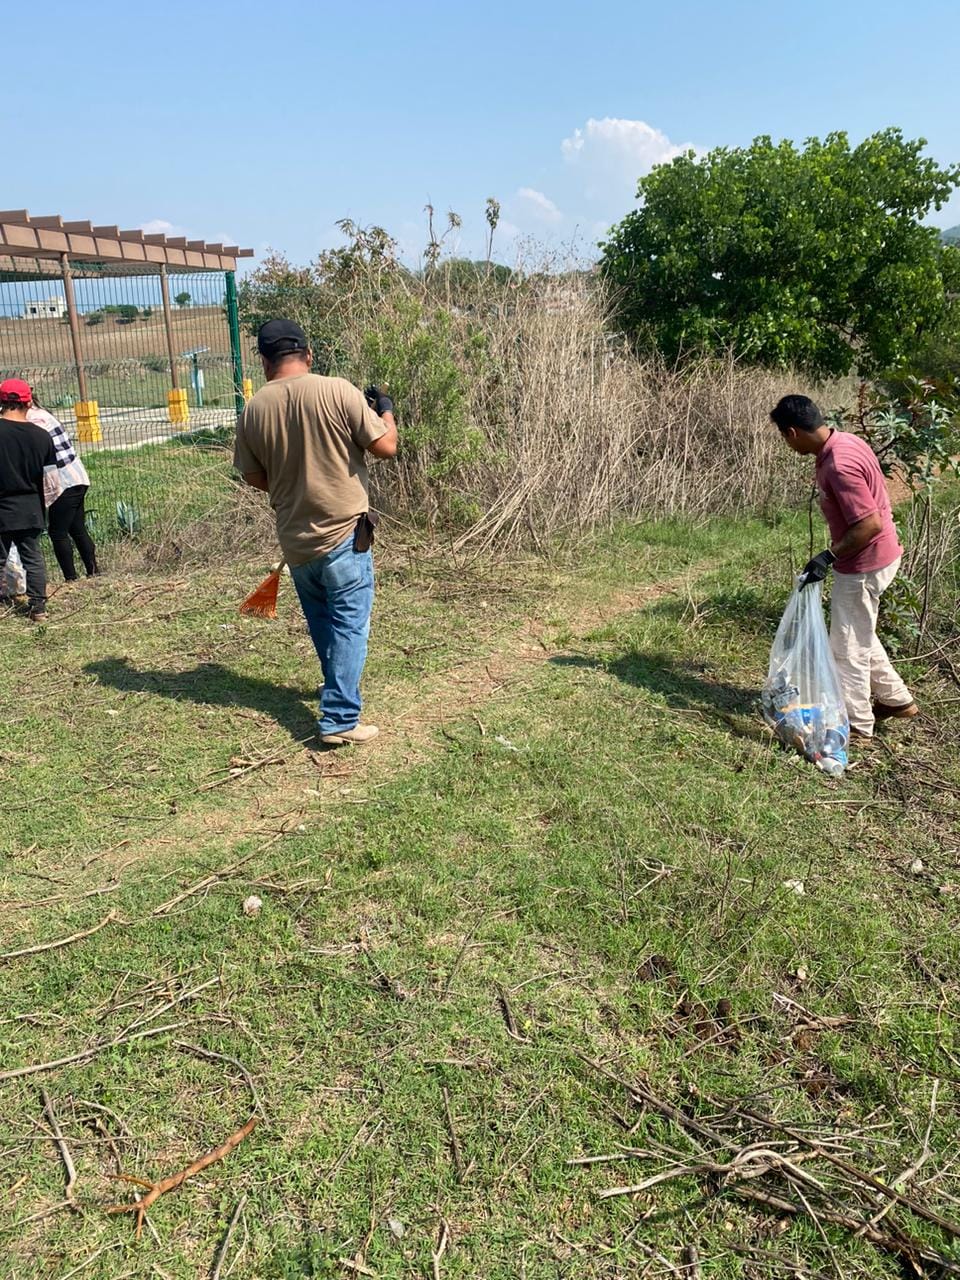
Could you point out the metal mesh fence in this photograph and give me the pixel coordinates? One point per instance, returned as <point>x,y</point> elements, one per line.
<point>145,470</point>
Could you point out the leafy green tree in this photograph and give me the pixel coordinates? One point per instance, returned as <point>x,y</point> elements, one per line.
<point>183,299</point>
<point>94,317</point>
<point>127,313</point>
<point>815,257</point>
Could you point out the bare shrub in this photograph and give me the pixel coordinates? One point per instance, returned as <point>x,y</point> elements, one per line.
<point>586,432</point>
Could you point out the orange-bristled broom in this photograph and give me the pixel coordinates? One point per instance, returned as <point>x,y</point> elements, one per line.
<point>262,602</point>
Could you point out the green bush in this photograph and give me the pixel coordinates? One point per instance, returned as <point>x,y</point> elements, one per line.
<point>411,352</point>
<point>817,257</point>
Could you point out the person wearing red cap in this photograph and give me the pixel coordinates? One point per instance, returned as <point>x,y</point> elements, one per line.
<point>29,483</point>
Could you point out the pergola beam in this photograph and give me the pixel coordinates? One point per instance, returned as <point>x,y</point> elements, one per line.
<point>50,237</point>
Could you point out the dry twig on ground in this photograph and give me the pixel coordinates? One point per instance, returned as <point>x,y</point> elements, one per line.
<point>60,942</point>
<point>233,1062</point>
<point>225,1243</point>
<point>156,1189</point>
<point>86,1054</point>
<point>64,1150</point>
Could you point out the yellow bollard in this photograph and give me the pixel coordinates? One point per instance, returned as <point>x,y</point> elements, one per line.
<point>178,410</point>
<point>88,421</point>
<point>247,388</point>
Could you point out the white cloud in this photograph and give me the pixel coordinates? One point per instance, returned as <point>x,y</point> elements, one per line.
<point>611,154</point>
<point>542,205</point>
<point>160,227</point>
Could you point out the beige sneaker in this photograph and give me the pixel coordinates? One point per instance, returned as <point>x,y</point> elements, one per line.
<point>360,734</point>
<point>906,711</point>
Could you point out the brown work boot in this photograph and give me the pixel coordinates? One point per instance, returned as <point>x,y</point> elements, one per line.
<point>904,712</point>
<point>356,736</point>
<point>38,615</point>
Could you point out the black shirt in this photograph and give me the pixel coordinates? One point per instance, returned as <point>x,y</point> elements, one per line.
<point>25,449</point>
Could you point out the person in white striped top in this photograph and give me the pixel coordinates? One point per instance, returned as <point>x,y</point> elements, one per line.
<point>66,520</point>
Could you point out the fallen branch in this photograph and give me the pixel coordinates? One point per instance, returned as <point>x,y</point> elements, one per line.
<point>827,1021</point>
<point>171,1004</point>
<point>702,1135</point>
<point>213,878</point>
<point>225,1243</point>
<point>235,772</point>
<point>62,897</point>
<point>691,1262</point>
<point>443,1240</point>
<point>513,1031</point>
<point>233,1062</point>
<point>86,1054</point>
<point>61,942</point>
<point>859,1175</point>
<point>740,1167</point>
<point>902,1247</point>
<point>157,1189</point>
<point>64,1150</point>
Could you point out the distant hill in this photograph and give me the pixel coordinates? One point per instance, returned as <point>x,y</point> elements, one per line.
<point>951,235</point>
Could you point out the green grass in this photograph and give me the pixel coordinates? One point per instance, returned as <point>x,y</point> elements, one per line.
<point>167,481</point>
<point>573,803</point>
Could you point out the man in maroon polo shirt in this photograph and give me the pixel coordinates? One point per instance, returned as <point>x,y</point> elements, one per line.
<point>865,555</point>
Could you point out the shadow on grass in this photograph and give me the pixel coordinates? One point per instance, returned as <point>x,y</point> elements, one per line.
<point>685,686</point>
<point>212,685</point>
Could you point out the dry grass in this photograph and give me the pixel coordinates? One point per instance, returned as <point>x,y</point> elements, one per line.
<point>578,431</point>
<point>30,343</point>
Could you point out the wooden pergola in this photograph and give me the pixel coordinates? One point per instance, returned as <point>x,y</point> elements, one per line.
<point>40,248</point>
<point>50,238</point>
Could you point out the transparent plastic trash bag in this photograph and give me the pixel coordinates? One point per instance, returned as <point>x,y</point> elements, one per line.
<point>801,698</point>
<point>13,580</point>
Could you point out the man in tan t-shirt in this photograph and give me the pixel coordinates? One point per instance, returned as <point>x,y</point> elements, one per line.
<point>302,439</point>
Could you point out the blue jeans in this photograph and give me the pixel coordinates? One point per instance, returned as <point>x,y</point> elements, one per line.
<point>336,594</point>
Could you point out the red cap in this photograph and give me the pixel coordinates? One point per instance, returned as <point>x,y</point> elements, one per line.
<point>15,391</point>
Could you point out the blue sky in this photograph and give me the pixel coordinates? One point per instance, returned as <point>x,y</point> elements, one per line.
<point>264,125</point>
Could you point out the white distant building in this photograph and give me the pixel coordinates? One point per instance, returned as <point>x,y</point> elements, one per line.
<point>48,309</point>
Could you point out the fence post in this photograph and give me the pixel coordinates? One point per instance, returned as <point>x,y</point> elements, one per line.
<point>233,319</point>
<point>87,411</point>
<point>178,411</point>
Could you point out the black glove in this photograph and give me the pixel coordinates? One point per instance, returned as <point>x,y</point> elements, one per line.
<point>377,401</point>
<point>816,570</point>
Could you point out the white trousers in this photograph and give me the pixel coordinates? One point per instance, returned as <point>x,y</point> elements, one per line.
<point>866,672</point>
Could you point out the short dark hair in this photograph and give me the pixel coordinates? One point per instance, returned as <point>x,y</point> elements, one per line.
<point>300,353</point>
<point>799,412</point>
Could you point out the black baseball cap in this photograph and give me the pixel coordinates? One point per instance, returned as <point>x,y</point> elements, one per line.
<point>279,337</point>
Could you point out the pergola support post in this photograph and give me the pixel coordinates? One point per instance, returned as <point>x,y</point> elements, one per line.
<point>87,410</point>
<point>240,383</point>
<point>178,409</point>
